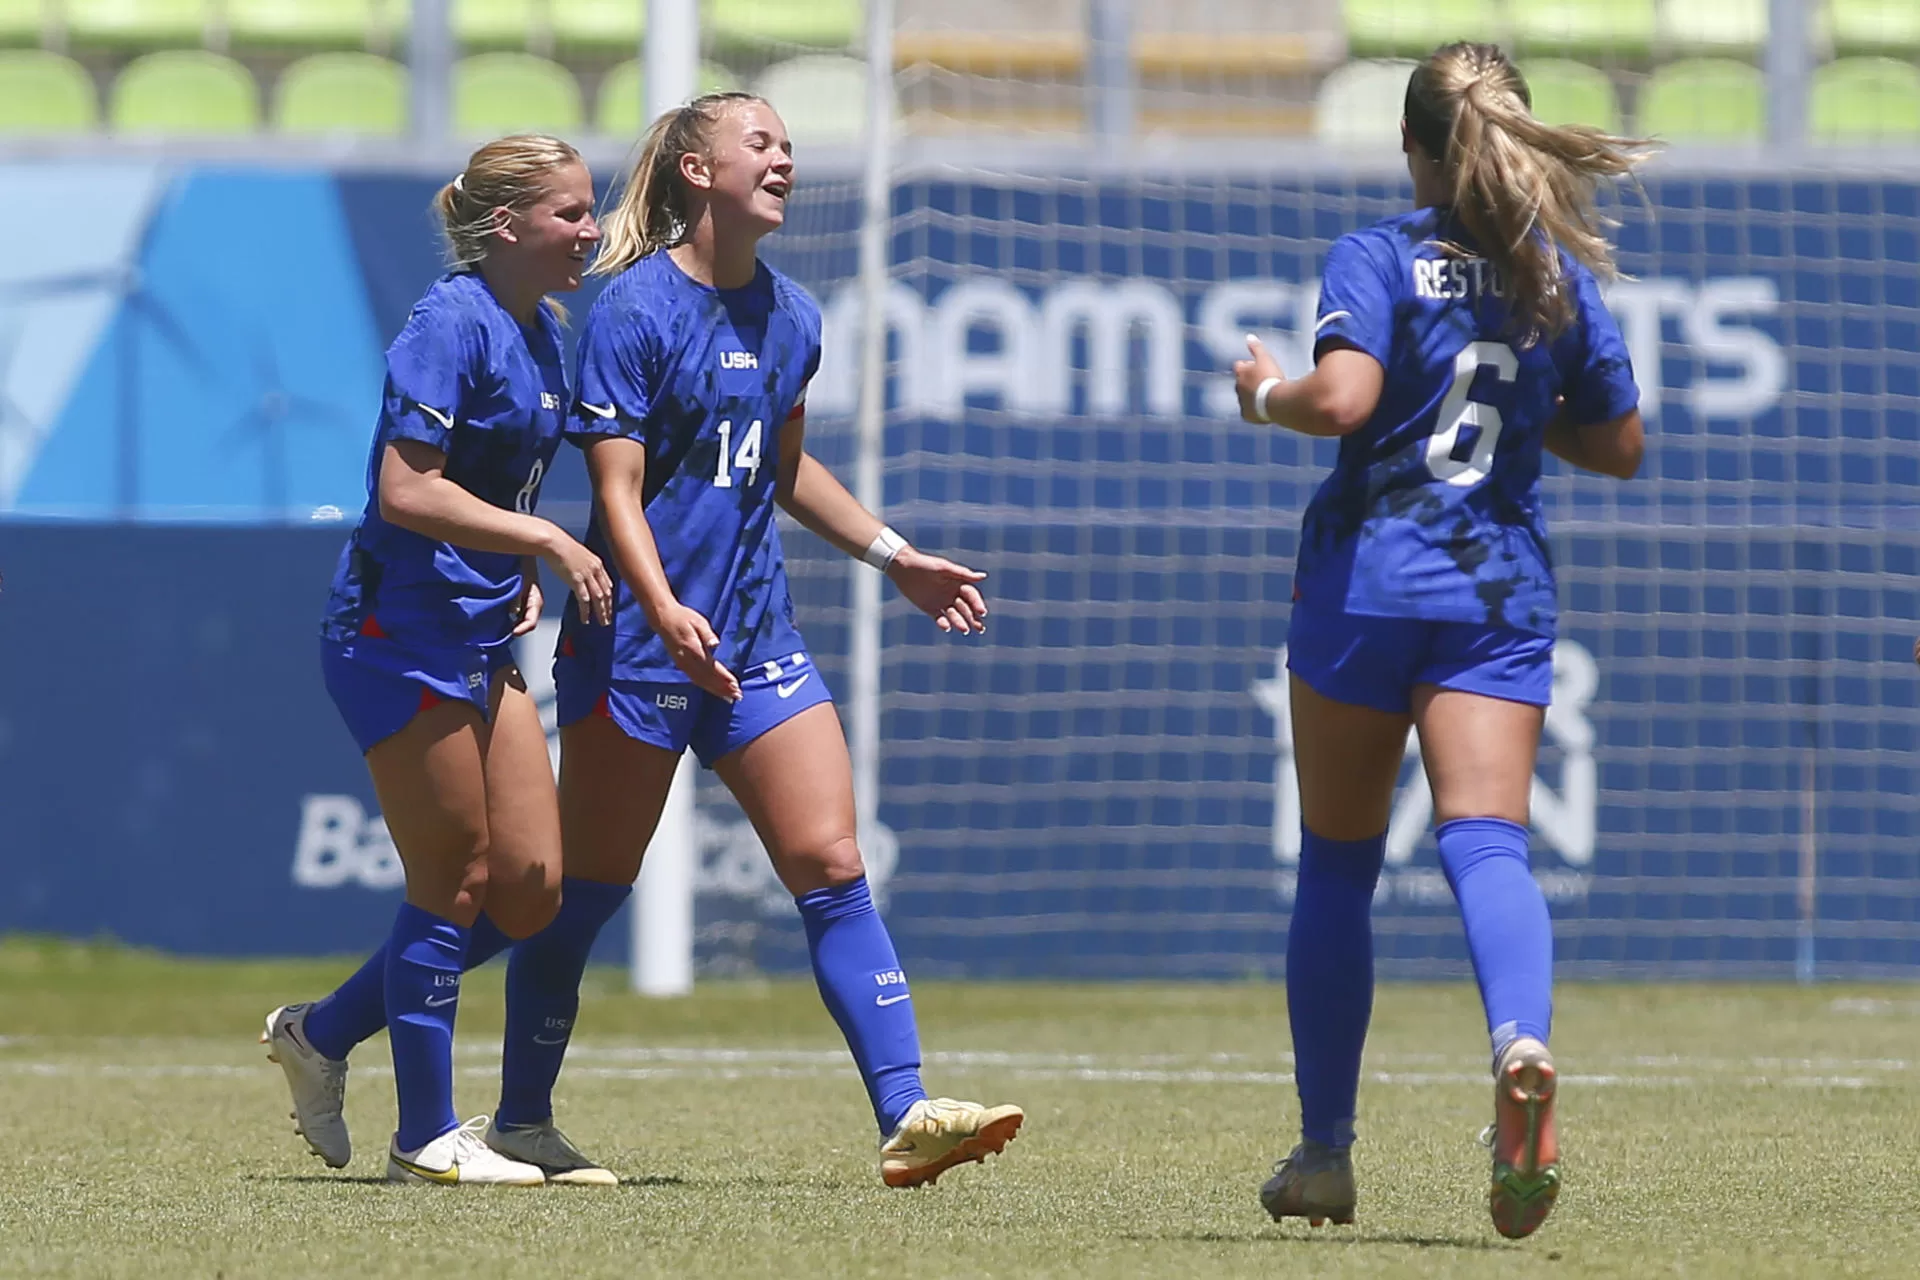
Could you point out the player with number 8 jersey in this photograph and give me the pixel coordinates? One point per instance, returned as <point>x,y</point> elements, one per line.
<point>1454,345</point>
<point>437,580</point>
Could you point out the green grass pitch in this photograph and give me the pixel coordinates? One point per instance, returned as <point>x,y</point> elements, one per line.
<point>1711,1131</point>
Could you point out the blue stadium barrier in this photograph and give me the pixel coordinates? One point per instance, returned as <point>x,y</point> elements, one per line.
<point>1727,787</point>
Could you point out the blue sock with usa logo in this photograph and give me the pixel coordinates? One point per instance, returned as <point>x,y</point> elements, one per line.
<point>543,998</point>
<point>357,1009</point>
<point>424,959</point>
<point>865,990</point>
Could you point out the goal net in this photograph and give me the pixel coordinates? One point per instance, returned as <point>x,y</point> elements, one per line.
<point>1102,785</point>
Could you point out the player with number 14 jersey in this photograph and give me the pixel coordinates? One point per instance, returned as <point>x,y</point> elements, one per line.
<point>705,378</point>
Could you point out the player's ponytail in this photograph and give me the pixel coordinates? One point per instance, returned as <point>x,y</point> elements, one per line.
<point>1522,189</point>
<point>650,212</point>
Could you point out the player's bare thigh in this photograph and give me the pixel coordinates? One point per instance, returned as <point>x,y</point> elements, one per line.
<point>523,813</point>
<point>431,781</point>
<point>612,789</point>
<point>1478,751</point>
<point>1348,759</point>
<point>795,783</point>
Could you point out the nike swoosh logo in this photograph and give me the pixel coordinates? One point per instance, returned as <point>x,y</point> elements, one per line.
<point>594,409</point>
<point>288,1030</point>
<point>788,690</point>
<point>446,1177</point>
<point>1330,317</point>
<point>442,1002</point>
<point>444,419</point>
<point>544,1040</point>
<point>884,1001</point>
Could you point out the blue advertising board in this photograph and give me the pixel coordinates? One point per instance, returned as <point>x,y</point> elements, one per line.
<point>1101,787</point>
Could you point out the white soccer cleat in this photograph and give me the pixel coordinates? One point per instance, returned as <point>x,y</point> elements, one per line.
<point>550,1151</point>
<point>460,1156</point>
<point>318,1084</point>
<point>939,1133</point>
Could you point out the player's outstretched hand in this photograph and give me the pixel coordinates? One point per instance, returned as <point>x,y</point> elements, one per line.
<point>586,577</point>
<point>941,589</point>
<point>691,643</point>
<point>1249,374</point>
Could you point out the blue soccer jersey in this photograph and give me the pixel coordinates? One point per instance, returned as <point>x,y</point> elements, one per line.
<point>1432,510</point>
<point>466,378</point>
<point>705,379</point>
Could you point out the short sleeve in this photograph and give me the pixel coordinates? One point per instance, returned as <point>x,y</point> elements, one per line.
<point>810,330</point>
<point>429,365</point>
<point>1357,294</point>
<point>1599,385</point>
<point>616,386</point>
<point>803,314</point>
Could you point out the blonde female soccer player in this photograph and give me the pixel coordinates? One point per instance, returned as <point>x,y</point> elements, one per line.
<point>438,578</point>
<point>1454,344</point>
<point>692,383</point>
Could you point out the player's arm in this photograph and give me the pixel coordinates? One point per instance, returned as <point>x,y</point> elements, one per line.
<point>618,468</point>
<point>1335,399</point>
<point>1353,341</point>
<point>811,494</point>
<point>1611,448</point>
<point>1597,426</point>
<point>415,494</point>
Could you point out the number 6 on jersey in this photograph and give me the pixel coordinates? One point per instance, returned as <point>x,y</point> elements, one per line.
<point>748,457</point>
<point>1457,411</point>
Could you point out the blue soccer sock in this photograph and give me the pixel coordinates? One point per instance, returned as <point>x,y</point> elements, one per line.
<point>1509,933</point>
<point>424,955</point>
<point>865,990</point>
<point>1330,979</point>
<point>357,1009</point>
<point>543,997</point>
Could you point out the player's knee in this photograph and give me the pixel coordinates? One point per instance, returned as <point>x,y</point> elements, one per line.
<point>840,862</point>
<point>523,907</point>
<point>824,866</point>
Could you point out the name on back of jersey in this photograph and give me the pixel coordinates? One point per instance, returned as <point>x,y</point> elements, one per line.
<point>1447,278</point>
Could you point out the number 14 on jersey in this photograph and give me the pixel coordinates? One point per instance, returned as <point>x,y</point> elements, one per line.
<point>747,459</point>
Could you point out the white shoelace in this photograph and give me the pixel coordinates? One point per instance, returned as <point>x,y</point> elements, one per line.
<point>470,1140</point>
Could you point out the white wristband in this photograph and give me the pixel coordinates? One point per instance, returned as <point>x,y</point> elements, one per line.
<point>885,546</point>
<point>1260,399</point>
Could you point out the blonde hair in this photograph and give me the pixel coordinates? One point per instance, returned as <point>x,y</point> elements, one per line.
<point>651,210</point>
<point>507,175</point>
<point>1523,190</point>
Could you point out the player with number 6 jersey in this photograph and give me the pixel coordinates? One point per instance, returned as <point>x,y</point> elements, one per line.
<point>1454,345</point>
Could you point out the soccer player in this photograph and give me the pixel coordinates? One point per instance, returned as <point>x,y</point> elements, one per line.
<point>439,576</point>
<point>692,378</point>
<point>1453,344</point>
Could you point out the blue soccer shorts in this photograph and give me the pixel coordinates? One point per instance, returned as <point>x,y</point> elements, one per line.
<point>675,715</point>
<point>1376,662</point>
<point>380,687</point>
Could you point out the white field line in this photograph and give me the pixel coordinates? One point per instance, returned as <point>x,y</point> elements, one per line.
<point>1874,1006</point>
<point>636,1063</point>
<point>1203,1067</point>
